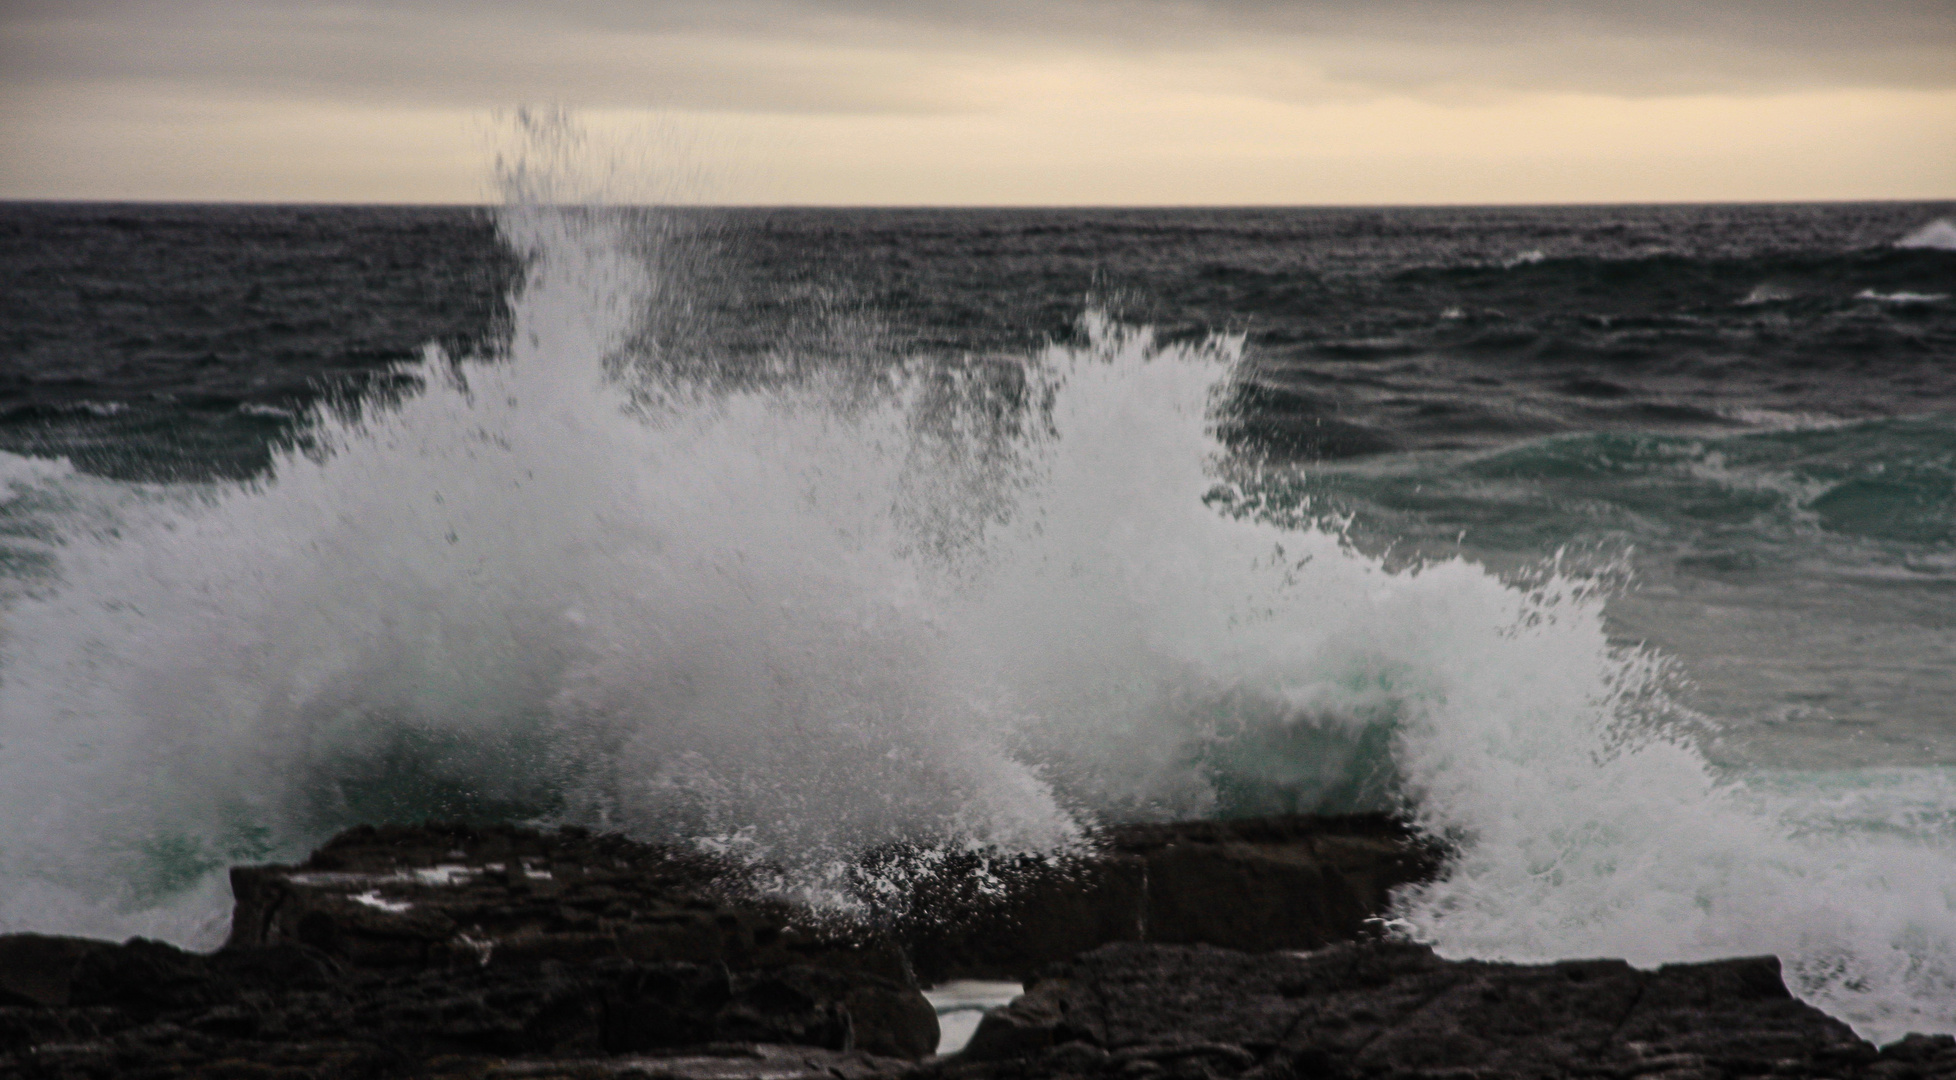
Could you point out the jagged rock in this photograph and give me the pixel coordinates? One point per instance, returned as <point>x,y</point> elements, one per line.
<point>1298,882</point>
<point>1917,1057</point>
<point>1032,1022</point>
<point>37,969</point>
<point>740,1062</point>
<point>1389,1010</point>
<point>405,897</point>
<point>147,1006</point>
<point>400,896</point>
<point>451,951</point>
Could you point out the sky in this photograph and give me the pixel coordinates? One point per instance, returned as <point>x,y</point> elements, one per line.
<point>1007,102</point>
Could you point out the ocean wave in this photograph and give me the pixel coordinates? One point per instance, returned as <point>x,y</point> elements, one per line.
<point>1783,420</point>
<point>1901,297</point>
<point>1938,235</point>
<point>1766,294</point>
<point>274,412</point>
<point>1792,277</point>
<point>1892,802</point>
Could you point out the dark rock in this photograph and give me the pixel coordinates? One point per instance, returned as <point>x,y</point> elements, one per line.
<point>683,1005</point>
<point>1390,1010</point>
<point>37,969</point>
<point>405,897</point>
<point>1298,882</point>
<point>289,1007</point>
<point>726,1062</point>
<point>145,978</point>
<point>1917,1057</point>
<point>452,951</point>
<point>1032,1022</point>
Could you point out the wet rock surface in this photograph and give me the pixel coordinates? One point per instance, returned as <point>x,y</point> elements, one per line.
<point>397,896</point>
<point>1299,882</point>
<point>505,952</point>
<point>148,1009</point>
<point>1387,1010</point>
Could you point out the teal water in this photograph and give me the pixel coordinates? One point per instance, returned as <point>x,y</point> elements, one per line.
<point>1805,577</point>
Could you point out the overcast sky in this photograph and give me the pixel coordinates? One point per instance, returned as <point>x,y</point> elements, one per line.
<point>1006,102</point>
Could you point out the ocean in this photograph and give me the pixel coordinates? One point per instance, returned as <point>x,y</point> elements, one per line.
<point>1614,546</point>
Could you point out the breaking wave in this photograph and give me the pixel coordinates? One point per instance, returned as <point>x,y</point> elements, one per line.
<point>1939,235</point>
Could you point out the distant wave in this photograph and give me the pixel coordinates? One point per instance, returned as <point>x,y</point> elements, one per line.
<point>1782,420</point>
<point>1766,294</point>
<point>1903,297</point>
<point>1939,235</point>
<point>98,408</point>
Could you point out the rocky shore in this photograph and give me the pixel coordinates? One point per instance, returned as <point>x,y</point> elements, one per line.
<point>1199,951</point>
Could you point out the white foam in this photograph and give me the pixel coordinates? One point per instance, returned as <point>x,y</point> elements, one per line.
<point>19,473</point>
<point>962,1004</point>
<point>444,875</point>
<point>1854,803</point>
<point>1643,852</point>
<point>1903,298</point>
<point>1766,294</point>
<point>1783,420</point>
<point>372,898</point>
<point>1939,235</point>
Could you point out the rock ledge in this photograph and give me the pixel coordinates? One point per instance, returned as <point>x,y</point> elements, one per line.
<point>451,951</point>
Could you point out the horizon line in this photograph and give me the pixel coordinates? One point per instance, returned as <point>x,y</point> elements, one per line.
<point>385,205</point>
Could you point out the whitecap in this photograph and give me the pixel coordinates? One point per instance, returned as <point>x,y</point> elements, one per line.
<point>1766,294</point>
<point>1784,420</point>
<point>1901,299</point>
<point>1938,235</point>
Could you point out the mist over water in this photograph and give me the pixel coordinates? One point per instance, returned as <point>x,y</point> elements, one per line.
<point>978,603</point>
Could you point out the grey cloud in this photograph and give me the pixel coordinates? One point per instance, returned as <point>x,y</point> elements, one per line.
<point>426,54</point>
<point>1838,37</point>
<point>887,55</point>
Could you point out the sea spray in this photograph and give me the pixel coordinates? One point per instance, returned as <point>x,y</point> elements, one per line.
<point>507,595</point>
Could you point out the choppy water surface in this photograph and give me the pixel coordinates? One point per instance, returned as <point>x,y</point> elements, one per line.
<point>1616,545</point>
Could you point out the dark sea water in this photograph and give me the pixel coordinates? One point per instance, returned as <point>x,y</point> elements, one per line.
<point>1616,544</point>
